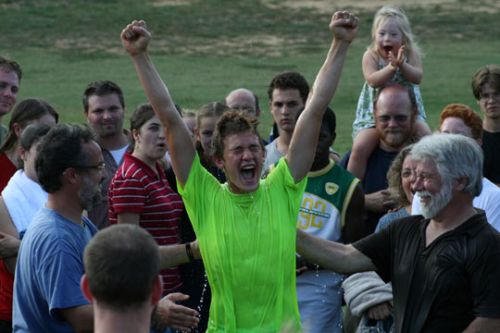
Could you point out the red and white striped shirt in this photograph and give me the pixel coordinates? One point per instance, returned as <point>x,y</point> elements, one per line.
<point>136,188</point>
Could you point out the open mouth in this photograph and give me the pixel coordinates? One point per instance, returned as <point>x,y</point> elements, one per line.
<point>248,173</point>
<point>424,197</point>
<point>387,48</point>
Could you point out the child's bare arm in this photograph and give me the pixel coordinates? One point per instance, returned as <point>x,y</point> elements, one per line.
<point>363,146</point>
<point>411,69</point>
<point>375,77</point>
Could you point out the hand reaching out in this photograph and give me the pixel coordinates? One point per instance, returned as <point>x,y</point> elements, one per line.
<point>169,313</point>
<point>135,37</point>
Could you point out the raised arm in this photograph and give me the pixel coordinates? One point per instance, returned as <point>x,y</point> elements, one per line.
<point>305,137</point>
<point>135,38</point>
<point>333,256</point>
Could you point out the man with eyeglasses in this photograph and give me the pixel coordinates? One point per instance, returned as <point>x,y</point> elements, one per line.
<point>49,267</point>
<point>486,90</point>
<point>244,100</point>
<point>395,112</point>
<point>47,294</point>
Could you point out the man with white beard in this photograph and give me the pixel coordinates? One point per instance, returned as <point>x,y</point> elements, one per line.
<point>461,119</point>
<point>443,266</point>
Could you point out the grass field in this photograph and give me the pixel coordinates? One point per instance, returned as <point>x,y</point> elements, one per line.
<point>205,48</point>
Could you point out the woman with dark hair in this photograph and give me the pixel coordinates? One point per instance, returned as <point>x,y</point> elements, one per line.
<point>29,111</point>
<point>139,192</point>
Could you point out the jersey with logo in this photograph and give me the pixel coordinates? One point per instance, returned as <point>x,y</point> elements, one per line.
<point>325,201</point>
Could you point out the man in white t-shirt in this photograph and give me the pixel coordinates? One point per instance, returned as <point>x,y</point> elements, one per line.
<point>461,119</point>
<point>104,108</point>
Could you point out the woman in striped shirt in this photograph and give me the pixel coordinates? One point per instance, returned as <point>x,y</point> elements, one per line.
<point>140,193</point>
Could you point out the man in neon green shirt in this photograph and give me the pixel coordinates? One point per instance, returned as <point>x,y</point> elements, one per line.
<point>246,227</point>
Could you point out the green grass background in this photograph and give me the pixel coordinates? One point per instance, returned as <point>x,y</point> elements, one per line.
<point>205,48</point>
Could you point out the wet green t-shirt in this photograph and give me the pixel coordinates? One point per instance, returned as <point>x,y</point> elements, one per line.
<point>247,242</point>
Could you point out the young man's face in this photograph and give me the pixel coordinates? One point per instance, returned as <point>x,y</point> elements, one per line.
<point>9,87</point>
<point>105,115</point>
<point>489,102</point>
<point>285,106</point>
<point>242,161</point>
<point>325,141</point>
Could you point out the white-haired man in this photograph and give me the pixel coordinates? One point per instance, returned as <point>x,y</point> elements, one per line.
<point>443,266</point>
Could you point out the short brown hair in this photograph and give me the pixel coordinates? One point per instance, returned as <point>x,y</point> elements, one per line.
<point>233,122</point>
<point>121,263</point>
<point>470,118</point>
<point>11,66</point>
<point>289,80</point>
<point>213,109</point>
<point>102,88</point>
<point>489,74</point>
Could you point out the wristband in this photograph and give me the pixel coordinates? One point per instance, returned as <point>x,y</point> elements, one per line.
<point>189,252</point>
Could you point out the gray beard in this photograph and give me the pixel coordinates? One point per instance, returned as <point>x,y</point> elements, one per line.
<point>90,196</point>
<point>438,201</point>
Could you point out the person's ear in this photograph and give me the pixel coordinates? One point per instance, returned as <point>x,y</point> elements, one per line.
<point>17,129</point>
<point>135,134</point>
<point>334,136</point>
<point>197,135</point>
<point>22,153</point>
<point>461,183</point>
<point>84,286</point>
<point>71,175</point>
<point>156,291</point>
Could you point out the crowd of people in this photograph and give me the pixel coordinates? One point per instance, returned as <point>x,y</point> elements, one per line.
<point>190,221</point>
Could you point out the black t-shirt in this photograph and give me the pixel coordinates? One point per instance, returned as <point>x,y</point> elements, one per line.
<point>375,179</point>
<point>491,149</point>
<point>444,286</point>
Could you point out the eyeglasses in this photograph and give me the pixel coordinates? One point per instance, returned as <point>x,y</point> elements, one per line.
<point>486,97</point>
<point>99,166</point>
<point>400,118</point>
